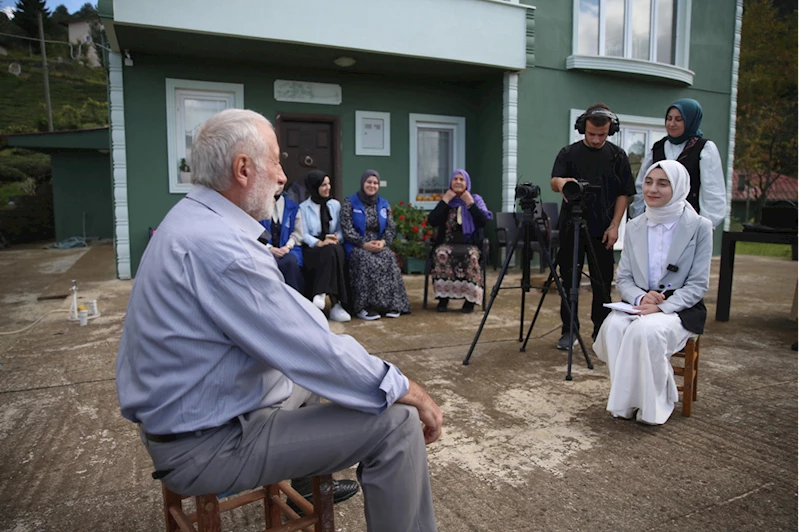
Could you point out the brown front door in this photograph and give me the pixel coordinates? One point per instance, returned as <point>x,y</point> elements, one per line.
<point>309,142</point>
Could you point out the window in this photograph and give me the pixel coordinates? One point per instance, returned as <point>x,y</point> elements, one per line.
<point>189,104</point>
<point>636,136</point>
<point>635,29</point>
<point>437,148</point>
<point>638,36</point>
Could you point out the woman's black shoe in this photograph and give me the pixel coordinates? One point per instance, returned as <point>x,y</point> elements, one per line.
<point>468,307</point>
<point>442,304</point>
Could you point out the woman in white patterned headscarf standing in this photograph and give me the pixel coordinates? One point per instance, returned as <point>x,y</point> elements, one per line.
<point>663,273</point>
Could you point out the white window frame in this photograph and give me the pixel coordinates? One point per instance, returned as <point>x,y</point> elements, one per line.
<point>655,129</point>
<point>360,116</point>
<point>457,124</point>
<point>176,87</point>
<point>679,71</point>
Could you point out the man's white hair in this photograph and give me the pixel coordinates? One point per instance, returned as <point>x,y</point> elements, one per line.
<point>220,139</point>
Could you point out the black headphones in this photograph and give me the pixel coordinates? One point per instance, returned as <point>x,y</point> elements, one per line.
<point>597,112</point>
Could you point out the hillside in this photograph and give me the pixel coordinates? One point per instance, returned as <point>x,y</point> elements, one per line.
<point>22,97</point>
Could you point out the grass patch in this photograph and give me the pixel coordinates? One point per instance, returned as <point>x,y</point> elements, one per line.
<point>764,250</point>
<point>10,189</point>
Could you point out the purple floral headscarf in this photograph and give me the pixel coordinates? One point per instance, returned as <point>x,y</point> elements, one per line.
<point>467,221</point>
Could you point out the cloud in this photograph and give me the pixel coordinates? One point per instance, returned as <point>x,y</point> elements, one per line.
<point>9,11</point>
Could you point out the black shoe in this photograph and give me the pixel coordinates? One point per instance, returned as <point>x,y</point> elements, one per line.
<point>468,307</point>
<point>442,304</point>
<point>342,490</point>
<point>563,343</point>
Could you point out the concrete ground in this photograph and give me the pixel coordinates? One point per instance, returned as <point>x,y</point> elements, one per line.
<point>523,449</point>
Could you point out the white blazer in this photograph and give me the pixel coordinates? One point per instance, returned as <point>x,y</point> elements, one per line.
<point>689,254</point>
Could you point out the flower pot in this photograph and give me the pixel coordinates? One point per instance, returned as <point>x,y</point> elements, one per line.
<point>412,265</point>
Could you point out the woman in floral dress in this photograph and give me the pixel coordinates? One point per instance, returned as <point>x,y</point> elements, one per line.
<point>375,277</point>
<point>456,257</point>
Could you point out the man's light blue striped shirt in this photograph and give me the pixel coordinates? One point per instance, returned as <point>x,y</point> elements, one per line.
<point>212,331</point>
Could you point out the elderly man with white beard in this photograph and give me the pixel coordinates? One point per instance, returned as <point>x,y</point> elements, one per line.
<point>213,375</point>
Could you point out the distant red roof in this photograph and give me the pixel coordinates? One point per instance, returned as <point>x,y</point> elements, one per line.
<point>785,188</point>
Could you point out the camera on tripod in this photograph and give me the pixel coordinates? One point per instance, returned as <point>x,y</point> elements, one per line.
<point>575,191</point>
<point>527,194</point>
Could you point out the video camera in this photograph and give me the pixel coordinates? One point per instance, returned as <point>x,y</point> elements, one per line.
<point>575,191</point>
<point>527,191</point>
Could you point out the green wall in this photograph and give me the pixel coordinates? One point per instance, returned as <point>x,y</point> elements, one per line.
<point>82,184</point>
<point>146,141</point>
<point>549,91</point>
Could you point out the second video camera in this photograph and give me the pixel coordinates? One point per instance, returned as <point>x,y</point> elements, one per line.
<point>576,190</point>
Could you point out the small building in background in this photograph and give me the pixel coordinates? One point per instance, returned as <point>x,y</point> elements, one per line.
<point>80,32</point>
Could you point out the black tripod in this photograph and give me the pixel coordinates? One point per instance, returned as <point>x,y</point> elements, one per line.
<point>526,228</point>
<point>580,232</point>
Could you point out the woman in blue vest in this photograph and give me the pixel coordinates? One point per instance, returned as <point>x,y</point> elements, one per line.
<point>323,253</point>
<point>285,236</point>
<point>685,143</point>
<point>369,229</point>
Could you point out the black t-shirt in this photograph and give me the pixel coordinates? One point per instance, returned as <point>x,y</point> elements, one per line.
<point>607,166</point>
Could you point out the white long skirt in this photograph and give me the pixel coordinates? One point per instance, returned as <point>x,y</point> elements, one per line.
<point>637,350</point>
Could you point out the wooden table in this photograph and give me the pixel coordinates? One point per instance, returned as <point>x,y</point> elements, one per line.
<point>728,241</point>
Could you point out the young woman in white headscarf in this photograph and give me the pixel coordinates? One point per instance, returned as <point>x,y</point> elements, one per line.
<point>664,273</point>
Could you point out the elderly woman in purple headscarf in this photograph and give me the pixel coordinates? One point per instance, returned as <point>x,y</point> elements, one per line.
<point>456,257</point>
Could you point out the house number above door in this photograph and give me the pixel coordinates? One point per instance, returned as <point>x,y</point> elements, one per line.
<point>308,92</point>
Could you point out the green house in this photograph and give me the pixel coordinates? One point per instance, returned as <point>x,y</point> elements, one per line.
<point>412,89</point>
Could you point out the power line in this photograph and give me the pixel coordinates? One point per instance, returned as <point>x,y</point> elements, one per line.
<point>71,53</point>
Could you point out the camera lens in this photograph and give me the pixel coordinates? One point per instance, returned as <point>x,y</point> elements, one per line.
<point>572,190</point>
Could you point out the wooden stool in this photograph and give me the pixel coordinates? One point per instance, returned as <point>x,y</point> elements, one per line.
<point>318,517</point>
<point>688,371</point>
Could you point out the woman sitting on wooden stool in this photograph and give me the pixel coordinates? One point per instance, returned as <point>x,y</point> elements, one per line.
<point>322,251</point>
<point>663,273</point>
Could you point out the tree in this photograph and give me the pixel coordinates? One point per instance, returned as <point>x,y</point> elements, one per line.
<point>26,16</point>
<point>766,136</point>
<point>87,10</point>
<point>97,33</point>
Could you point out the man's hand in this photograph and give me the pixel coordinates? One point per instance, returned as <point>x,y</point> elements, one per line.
<point>653,298</point>
<point>647,308</point>
<point>429,412</point>
<point>449,195</point>
<point>611,235</point>
<point>279,252</point>
<point>557,185</point>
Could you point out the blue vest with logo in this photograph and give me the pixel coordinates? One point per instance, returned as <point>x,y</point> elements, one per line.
<point>359,217</point>
<point>290,210</point>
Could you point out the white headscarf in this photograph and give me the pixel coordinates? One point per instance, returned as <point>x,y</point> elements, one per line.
<point>680,186</point>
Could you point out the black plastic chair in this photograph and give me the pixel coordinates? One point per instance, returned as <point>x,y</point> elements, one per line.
<point>428,264</point>
<point>551,210</point>
<point>506,233</point>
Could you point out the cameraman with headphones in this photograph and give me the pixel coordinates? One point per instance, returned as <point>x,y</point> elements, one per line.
<point>604,168</point>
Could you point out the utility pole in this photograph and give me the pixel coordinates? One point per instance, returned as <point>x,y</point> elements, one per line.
<point>46,76</point>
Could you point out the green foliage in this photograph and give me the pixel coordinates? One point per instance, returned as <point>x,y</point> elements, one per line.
<point>22,98</point>
<point>8,190</point>
<point>10,174</point>
<point>91,114</point>
<point>26,16</point>
<point>412,230</point>
<point>766,136</point>
<point>17,165</point>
